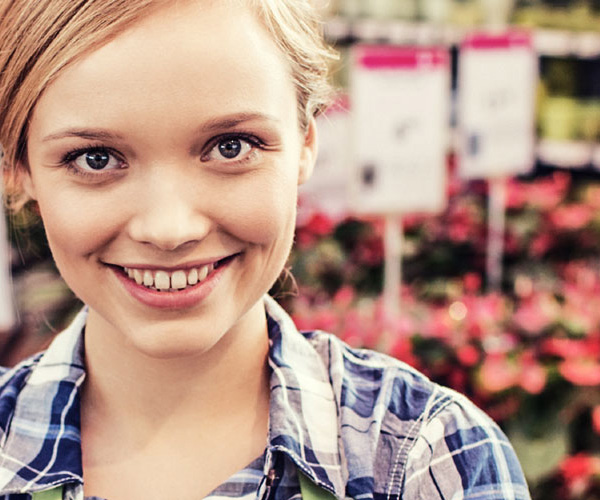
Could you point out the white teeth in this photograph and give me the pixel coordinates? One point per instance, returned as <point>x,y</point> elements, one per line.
<point>138,276</point>
<point>178,280</point>
<point>148,278</point>
<point>202,273</point>
<point>163,280</point>
<point>192,277</point>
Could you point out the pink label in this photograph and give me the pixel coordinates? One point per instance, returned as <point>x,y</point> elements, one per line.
<point>482,40</point>
<point>392,57</point>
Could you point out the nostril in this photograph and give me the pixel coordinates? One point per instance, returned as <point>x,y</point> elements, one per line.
<point>169,231</point>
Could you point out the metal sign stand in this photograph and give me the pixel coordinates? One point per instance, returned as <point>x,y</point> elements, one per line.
<point>496,228</point>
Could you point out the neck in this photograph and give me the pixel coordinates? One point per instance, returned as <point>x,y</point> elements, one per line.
<point>140,394</point>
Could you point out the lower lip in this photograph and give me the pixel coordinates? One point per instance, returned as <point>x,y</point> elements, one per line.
<point>175,299</point>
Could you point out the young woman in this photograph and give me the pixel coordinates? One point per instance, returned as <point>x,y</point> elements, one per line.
<point>163,142</point>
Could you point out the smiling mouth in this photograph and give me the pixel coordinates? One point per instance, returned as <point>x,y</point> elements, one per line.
<point>175,280</point>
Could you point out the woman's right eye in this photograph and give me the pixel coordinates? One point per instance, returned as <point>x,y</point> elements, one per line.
<point>93,160</point>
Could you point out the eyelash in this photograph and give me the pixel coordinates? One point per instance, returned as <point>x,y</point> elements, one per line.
<point>252,140</point>
<point>68,159</point>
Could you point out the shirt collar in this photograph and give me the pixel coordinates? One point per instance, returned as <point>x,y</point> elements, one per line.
<point>303,408</point>
<point>43,445</point>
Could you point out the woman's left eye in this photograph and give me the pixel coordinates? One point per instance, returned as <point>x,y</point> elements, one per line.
<point>231,148</point>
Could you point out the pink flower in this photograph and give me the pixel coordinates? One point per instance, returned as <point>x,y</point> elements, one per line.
<point>546,194</point>
<point>439,325</point>
<point>536,313</point>
<point>533,374</point>
<point>565,348</point>
<point>344,297</point>
<point>571,217</point>
<point>543,193</point>
<point>402,349</point>
<point>515,194</point>
<point>498,373</point>
<point>541,244</point>
<point>580,371</point>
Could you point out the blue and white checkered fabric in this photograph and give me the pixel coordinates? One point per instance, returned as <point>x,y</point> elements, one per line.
<point>358,423</point>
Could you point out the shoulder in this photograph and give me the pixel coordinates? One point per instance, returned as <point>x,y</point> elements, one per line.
<point>370,379</point>
<point>12,381</point>
<point>460,449</point>
<point>426,441</point>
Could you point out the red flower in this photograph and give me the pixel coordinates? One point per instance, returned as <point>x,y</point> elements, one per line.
<point>467,355</point>
<point>319,224</point>
<point>472,282</point>
<point>579,466</point>
<point>370,251</point>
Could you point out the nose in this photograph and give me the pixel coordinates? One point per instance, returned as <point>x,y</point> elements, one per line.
<point>168,213</point>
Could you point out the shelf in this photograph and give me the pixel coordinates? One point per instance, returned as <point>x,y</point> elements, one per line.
<point>547,42</point>
<point>568,154</point>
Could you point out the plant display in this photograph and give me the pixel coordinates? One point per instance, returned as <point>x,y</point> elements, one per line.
<point>529,355</point>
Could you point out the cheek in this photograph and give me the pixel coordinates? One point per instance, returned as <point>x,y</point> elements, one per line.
<point>74,225</point>
<point>265,214</point>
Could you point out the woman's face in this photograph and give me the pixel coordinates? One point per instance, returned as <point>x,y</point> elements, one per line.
<point>166,165</point>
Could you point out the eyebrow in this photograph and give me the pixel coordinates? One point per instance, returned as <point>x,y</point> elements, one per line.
<point>210,125</point>
<point>231,121</point>
<point>82,133</point>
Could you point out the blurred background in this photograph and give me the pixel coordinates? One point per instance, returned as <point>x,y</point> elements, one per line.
<point>488,281</point>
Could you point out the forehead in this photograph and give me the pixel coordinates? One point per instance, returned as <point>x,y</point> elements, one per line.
<point>186,55</point>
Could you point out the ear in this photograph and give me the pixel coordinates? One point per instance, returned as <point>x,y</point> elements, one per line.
<point>25,180</point>
<point>308,155</point>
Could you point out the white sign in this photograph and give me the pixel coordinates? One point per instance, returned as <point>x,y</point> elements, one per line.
<point>496,109</point>
<point>400,112</point>
<point>327,189</point>
<point>7,312</point>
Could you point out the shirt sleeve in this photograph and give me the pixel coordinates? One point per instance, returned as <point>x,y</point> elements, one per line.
<point>461,453</point>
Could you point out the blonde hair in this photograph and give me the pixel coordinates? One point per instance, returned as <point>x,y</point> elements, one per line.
<point>39,38</point>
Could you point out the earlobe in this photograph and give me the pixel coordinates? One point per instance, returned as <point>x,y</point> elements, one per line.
<point>309,152</point>
<point>26,182</point>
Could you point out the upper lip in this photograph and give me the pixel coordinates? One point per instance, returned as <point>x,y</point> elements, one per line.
<point>176,267</point>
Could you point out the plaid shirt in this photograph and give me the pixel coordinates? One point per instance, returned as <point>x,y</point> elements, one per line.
<point>358,423</point>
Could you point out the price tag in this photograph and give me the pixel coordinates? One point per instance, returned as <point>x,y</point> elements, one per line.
<point>326,190</point>
<point>400,111</point>
<point>496,107</point>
